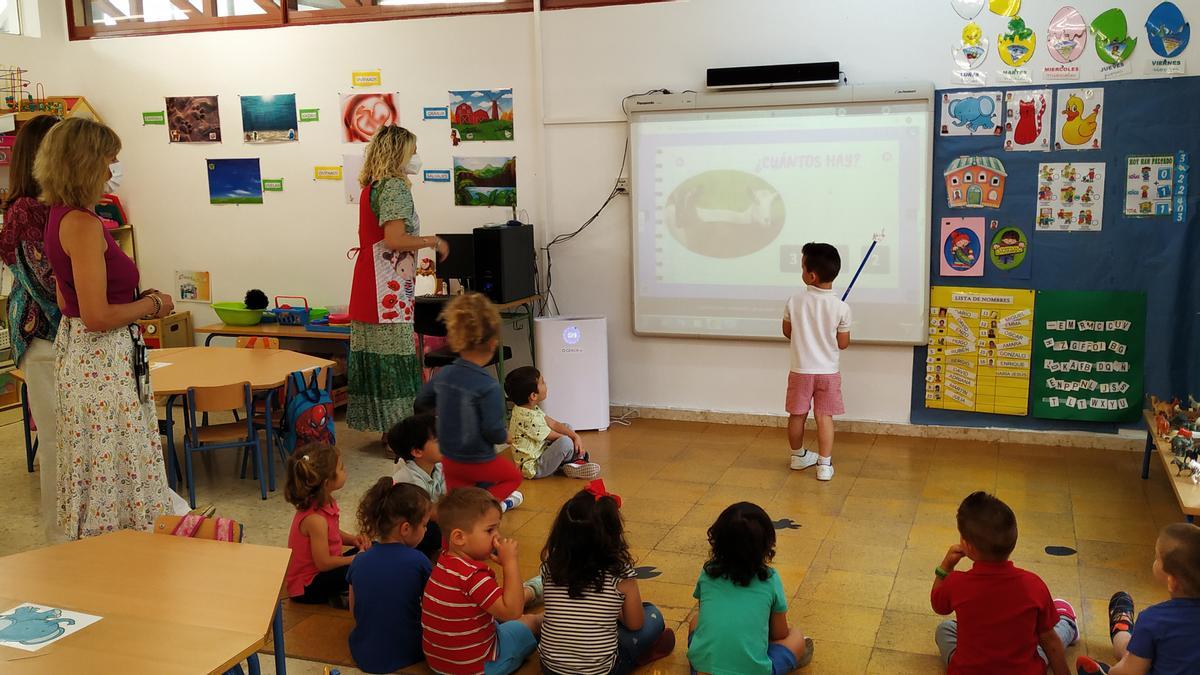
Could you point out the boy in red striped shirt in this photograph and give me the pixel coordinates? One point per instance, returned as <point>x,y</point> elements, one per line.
<point>463,605</point>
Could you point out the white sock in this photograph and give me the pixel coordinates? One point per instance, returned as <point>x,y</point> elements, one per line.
<point>800,453</point>
<point>825,461</point>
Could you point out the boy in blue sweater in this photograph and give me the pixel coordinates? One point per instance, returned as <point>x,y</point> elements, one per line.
<point>470,404</point>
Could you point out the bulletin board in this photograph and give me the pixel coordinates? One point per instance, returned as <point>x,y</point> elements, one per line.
<point>1152,255</point>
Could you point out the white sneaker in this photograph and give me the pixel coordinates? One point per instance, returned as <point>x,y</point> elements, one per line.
<point>513,501</point>
<point>803,460</point>
<point>824,472</point>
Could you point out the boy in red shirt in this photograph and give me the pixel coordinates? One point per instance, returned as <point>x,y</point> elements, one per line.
<point>1007,622</point>
<point>463,605</point>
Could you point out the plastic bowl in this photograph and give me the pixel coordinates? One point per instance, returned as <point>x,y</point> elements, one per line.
<point>236,314</point>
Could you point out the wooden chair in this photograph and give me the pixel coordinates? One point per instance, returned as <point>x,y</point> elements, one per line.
<point>206,437</point>
<point>207,530</point>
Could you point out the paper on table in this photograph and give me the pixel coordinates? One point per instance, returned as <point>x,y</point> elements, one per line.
<point>30,627</point>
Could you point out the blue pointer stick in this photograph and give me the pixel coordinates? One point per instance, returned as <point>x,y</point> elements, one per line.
<point>861,265</point>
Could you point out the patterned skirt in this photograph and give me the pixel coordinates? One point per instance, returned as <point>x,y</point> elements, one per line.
<point>384,375</point>
<point>111,474</point>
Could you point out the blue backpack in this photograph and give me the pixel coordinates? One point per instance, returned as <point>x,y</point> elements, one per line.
<point>308,415</point>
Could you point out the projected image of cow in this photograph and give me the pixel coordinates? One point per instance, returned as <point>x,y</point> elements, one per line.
<point>724,214</point>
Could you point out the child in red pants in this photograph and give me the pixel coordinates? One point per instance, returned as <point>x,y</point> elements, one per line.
<point>470,403</point>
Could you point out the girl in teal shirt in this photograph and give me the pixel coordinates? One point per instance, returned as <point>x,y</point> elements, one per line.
<point>741,627</point>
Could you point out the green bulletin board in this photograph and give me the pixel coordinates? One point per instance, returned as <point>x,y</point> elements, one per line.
<point>1088,351</point>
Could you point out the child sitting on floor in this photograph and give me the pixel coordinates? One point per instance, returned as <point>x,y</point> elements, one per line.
<point>595,620</point>
<point>387,580</point>
<point>470,405</point>
<point>542,445</point>
<point>1006,620</point>
<point>741,625</point>
<point>463,605</point>
<point>1163,641</point>
<point>419,462</point>
<point>316,572</point>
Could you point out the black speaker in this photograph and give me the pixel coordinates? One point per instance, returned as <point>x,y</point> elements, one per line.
<point>460,264</point>
<point>505,261</point>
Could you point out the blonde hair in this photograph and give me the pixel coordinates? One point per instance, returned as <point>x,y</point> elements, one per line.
<point>472,321</point>
<point>72,162</point>
<point>308,469</point>
<point>387,155</point>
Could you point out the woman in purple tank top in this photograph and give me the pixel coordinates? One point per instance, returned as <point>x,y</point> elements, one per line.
<point>110,462</point>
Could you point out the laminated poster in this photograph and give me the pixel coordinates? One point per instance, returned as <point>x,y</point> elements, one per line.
<point>352,166</point>
<point>1079,119</point>
<point>1027,118</point>
<point>1010,252</point>
<point>962,248</point>
<point>971,113</point>
<point>1070,197</point>
<point>1149,183</point>
<point>980,344</point>
<point>1088,352</point>
<point>234,181</point>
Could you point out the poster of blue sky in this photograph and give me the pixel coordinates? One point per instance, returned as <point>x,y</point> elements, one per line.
<point>269,119</point>
<point>481,115</point>
<point>234,181</point>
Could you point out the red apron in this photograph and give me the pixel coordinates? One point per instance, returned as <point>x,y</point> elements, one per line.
<point>382,291</point>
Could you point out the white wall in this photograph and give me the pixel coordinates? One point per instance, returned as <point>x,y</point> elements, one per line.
<point>591,59</point>
<point>626,50</point>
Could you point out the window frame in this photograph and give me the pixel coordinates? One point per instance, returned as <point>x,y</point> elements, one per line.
<point>286,14</point>
<point>16,5</point>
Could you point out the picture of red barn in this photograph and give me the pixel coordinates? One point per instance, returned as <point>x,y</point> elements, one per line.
<point>975,182</point>
<point>481,115</point>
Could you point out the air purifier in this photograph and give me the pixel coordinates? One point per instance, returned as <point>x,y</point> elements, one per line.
<point>572,355</point>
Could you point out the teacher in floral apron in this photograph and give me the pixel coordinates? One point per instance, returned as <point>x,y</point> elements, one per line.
<point>385,372</point>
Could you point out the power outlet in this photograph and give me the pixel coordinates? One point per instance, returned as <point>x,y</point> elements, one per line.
<point>623,185</point>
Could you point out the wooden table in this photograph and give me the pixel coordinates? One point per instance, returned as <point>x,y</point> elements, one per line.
<point>31,441</point>
<point>173,371</point>
<point>1186,492</point>
<point>169,604</point>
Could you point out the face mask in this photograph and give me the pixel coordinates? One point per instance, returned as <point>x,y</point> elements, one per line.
<point>114,181</point>
<point>414,165</point>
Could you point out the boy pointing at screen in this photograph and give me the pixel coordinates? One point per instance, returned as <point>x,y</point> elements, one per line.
<point>818,324</point>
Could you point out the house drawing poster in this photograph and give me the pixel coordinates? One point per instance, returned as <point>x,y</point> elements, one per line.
<point>962,249</point>
<point>1148,184</point>
<point>193,119</point>
<point>481,115</point>
<point>1070,197</point>
<point>29,627</point>
<point>1079,119</point>
<point>1027,117</point>
<point>268,119</point>
<point>972,113</point>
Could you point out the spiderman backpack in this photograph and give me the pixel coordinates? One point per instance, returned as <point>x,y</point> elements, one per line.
<point>308,415</point>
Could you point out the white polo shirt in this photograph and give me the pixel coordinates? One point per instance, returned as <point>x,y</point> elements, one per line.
<point>817,315</point>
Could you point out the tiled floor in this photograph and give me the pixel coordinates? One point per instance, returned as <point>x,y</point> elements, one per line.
<point>859,565</point>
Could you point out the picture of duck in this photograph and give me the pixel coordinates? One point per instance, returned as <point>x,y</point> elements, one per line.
<point>1078,129</point>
